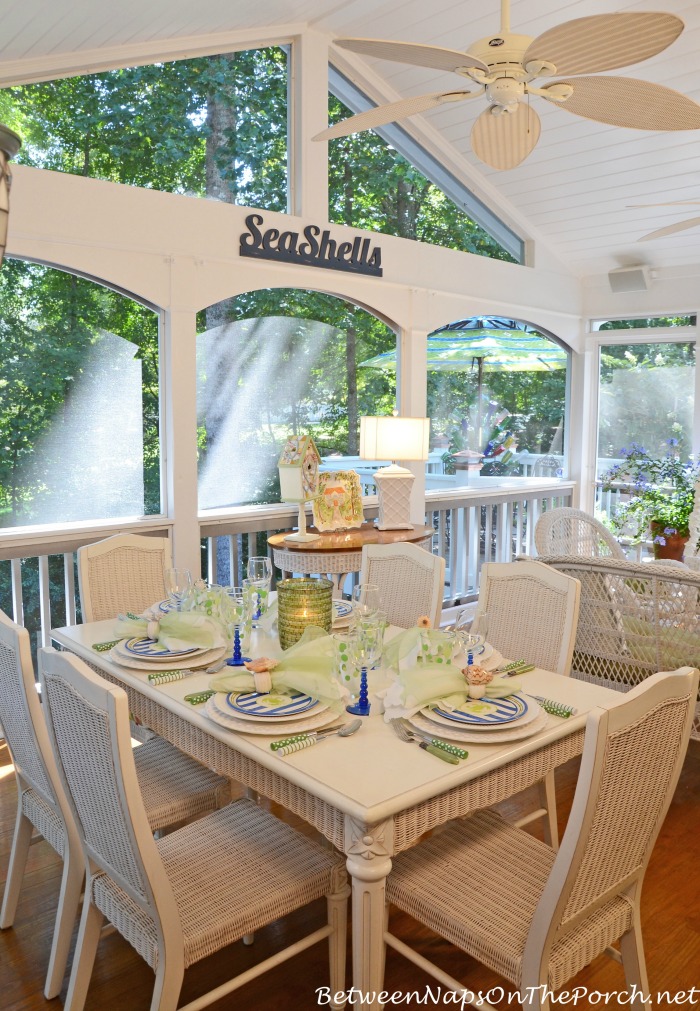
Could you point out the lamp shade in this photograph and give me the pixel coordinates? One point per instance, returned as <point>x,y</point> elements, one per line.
<point>393,438</point>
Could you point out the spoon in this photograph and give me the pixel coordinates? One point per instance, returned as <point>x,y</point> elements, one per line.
<point>292,744</point>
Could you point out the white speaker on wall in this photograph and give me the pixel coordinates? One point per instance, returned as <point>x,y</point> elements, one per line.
<point>629,279</point>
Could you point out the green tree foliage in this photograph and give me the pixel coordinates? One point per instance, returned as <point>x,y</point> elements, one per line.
<point>372,186</point>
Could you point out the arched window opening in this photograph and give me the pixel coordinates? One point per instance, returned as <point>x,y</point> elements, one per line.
<point>79,400</point>
<point>279,362</point>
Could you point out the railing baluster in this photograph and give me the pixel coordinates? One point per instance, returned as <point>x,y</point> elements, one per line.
<point>69,586</point>
<point>17,595</point>
<point>44,600</point>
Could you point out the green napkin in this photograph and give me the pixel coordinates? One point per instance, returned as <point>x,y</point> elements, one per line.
<point>308,666</point>
<point>173,631</point>
<point>416,686</point>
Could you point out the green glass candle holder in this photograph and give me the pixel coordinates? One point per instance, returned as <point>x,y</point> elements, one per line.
<point>302,602</point>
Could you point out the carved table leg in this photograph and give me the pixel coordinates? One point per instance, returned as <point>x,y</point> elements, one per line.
<point>368,849</point>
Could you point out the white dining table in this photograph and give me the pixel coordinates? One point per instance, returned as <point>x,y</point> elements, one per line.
<point>371,795</point>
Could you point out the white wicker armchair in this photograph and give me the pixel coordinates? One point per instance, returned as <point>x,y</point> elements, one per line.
<point>634,619</point>
<point>175,788</point>
<point>536,917</point>
<point>122,573</point>
<point>411,581</point>
<point>533,613</point>
<point>165,896</point>
<point>567,531</point>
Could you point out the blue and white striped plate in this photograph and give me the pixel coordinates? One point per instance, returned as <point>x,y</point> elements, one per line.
<point>486,712</point>
<point>151,648</point>
<point>275,704</point>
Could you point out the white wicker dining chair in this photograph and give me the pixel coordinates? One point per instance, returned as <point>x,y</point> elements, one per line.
<point>411,581</point>
<point>567,531</point>
<point>122,573</point>
<point>175,788</point>
<point>537,917</point>
<point>193,892</point>
<point>533,615</point>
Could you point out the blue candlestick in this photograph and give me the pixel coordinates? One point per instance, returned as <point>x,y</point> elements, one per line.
<point>362,706</point>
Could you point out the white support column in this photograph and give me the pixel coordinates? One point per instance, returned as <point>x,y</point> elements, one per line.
<point>179,393</point>
<point>411,397</point>
<point>308,115</point>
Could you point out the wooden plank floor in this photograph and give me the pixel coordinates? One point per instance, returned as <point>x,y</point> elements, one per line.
<point>670,913</point>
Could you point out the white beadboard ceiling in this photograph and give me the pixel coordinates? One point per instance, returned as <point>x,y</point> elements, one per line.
<point>571,195</point>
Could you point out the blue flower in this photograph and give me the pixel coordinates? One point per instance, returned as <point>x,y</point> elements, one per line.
<point>671,442</point>
<point>659,539</point>
<point>669,531</point>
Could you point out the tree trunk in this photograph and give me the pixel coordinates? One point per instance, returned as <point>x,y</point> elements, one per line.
<point>220,172</point>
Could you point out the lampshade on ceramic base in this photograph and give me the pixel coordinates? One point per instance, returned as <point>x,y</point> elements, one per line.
<point>394,486</point>
<point>302,535</point>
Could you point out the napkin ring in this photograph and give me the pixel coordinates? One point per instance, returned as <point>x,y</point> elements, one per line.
<point>263,682</point>
<point>153,628</point>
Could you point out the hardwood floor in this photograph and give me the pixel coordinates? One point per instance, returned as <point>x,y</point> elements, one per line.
<point>121,980</point>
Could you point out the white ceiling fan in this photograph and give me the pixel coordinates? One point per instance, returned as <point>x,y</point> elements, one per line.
<point>502,67</point>
<point>680,226</point>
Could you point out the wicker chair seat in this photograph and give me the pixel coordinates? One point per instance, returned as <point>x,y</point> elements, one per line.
<point>45,820</point>
<point>454,884</point>
<point>174,787</point>
<point>223,859</point>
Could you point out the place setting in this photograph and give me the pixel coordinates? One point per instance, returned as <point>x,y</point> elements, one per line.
<point>442,692</point>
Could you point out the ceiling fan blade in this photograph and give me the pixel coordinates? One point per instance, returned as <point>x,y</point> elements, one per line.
<point>624,101</point>
<point>412,52</point>
<point>680,226</point>
<point>604,41</point>
<point>389,113</point>
<point>504,141</point>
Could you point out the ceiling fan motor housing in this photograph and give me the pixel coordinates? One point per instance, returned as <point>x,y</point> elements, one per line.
<point>503,53</point>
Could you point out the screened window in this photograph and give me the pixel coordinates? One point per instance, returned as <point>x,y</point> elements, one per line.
<point>384,181</point>
<point>214,126</point>
<point>79,400</point>
<point>276,363</point>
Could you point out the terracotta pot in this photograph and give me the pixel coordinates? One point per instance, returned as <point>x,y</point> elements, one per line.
<point>674,546</point>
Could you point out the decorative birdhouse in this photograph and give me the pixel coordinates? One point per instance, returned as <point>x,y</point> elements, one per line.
<point>299,478</point>
<point>298,467</point>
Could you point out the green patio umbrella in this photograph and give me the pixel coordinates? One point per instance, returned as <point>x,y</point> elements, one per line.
<point>486,344</point>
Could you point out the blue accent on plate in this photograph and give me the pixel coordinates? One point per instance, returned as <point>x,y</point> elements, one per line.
<point>249,704</point>
<point>507,709</point>
<point>341,608</point>
<point>151,647</point>
<point>165,606</point>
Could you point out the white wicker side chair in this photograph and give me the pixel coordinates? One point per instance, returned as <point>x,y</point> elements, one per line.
<point>411,581</point>
<point>567,531</point>
<point>122,573</point>
<point>161,895</point>
<point>175,788</point>
<point>536,917</point>
<point>533,615</point>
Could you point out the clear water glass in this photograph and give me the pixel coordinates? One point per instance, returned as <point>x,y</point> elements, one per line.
<point>258,584</point>
<point>366,599</point>
<point>178,586</point>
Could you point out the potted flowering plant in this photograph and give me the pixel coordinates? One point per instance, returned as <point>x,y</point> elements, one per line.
<point>661,498</point>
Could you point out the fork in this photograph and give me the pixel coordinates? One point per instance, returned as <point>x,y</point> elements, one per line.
<point>452,749</point>
<point>408,737</point>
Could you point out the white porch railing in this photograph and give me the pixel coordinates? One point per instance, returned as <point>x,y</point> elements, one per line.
<point>472,525</point>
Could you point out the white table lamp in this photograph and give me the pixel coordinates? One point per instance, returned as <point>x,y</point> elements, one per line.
<point>299,479</point>
<point>393,438</point>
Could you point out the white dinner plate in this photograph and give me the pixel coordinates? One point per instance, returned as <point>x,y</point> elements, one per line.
<point>273,728</point>
<point>194,660</point>
<point>454,732</point>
